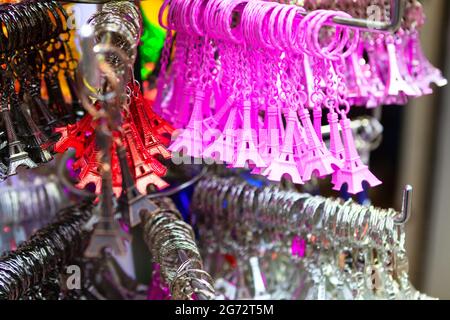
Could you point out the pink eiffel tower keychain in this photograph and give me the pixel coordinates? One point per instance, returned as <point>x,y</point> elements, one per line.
<point>284,164</point>
<point>354,173</point>
<point>272,129</point>
<point>330,101</point>
<point>318,159</point>
<point>395,82</point>
<point>190,140</point>
<point>247,151</point>
<point>223,147</point>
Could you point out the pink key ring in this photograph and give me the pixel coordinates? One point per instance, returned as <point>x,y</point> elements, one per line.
<point>312,32</point>
<point>196,17</point>
<point>261,21</point>
<point>209,13</point>
<point>342,36</point>
<point>182,15</point>
<point>271,27</point>
<point>161,14</point>
<point>177,15</point>
<point>292,29</point>
<point>313,36</point>
<point>259,17</point>
<point>355,41</point>
<point>288,12</point>
<point>265,11</point>
<point>217,17</point>
<point>303,26</point>
<point>171,14</point>
<point>249,18</point>
<point>218,22</point>
<point>226,19</point>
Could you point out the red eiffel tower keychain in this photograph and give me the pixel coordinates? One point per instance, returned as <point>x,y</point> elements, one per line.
<point>144,134</point>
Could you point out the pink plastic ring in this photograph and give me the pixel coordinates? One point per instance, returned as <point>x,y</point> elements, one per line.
<point>209,14</point>
<point>161,14</point>
<point>185,16</point>
<point>196,17</point>
<point>337,44</point>
<point>292,27</point>
<point>266,12</point>
<point>335,50</point>
<point>280,26</point>
<point>303,28</point>
<point>226,19</point>
<point>271,26</point>
<point>248,22</point>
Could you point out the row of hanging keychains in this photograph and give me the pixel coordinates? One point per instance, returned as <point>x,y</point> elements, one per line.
<point>144,134</point>
<point>33,63</point>
<point>386,69</point>
<point>242,92</point>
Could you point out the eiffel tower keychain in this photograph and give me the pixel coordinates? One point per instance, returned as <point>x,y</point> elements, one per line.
<point>17,155</point>
<point>107,233</point>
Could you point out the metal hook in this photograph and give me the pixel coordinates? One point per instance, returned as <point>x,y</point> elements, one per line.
<point>397,11</point>
<point>406,206</point>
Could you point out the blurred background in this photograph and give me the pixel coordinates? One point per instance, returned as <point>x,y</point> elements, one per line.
<point>416,151</point>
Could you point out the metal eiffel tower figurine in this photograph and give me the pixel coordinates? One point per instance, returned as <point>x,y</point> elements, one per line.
<point>17,155</point>
<point>39,142</point>
<point>108,232</point>
<point>131,201</point>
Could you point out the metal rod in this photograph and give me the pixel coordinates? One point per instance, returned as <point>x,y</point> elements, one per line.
<point>397,10</point>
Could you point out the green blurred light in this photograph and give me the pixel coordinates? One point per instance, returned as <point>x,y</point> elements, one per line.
<point>151,45</point>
